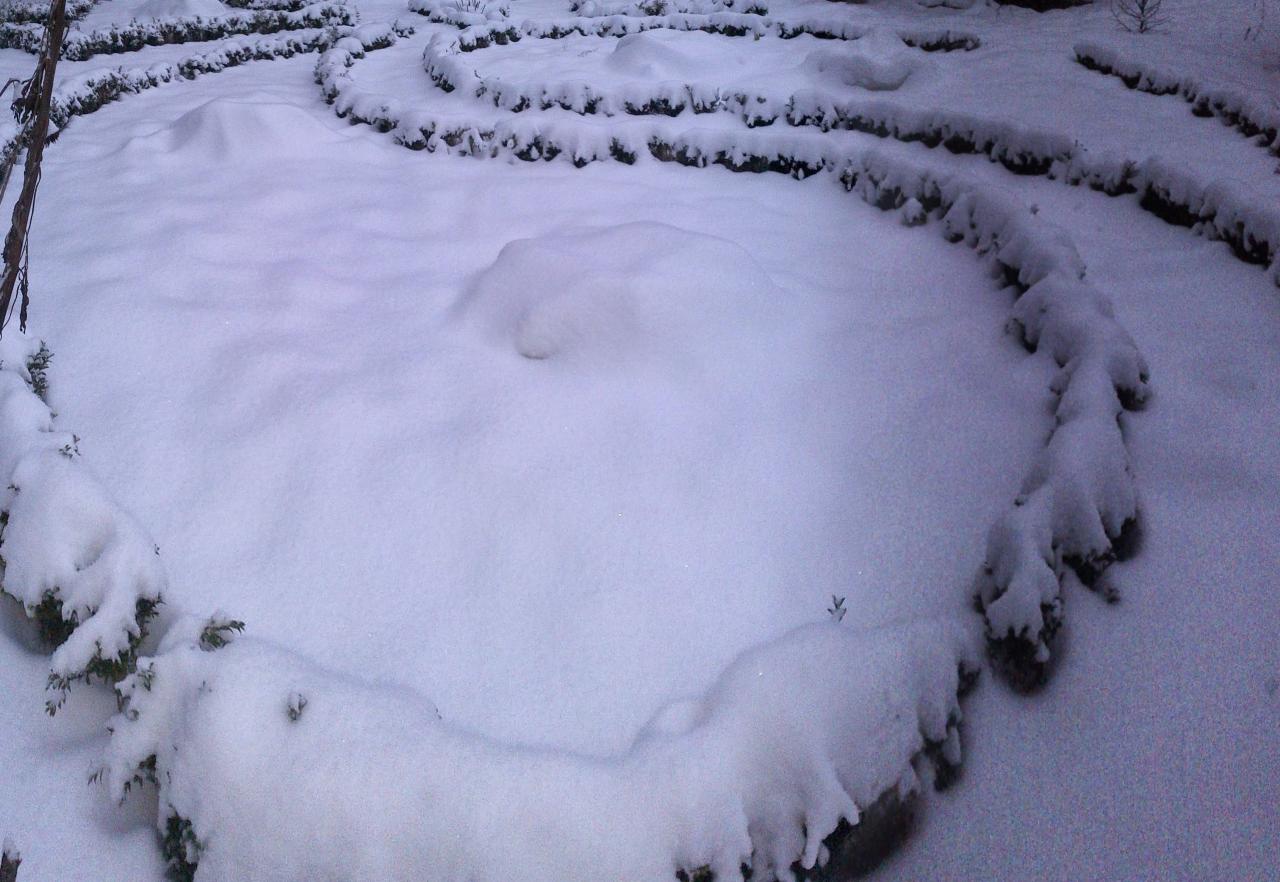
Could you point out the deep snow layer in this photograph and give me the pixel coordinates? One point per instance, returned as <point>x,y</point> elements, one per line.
<point>692,439</point>
<point>571,328</point>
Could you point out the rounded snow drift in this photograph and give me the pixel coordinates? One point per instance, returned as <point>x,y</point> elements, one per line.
<point>634,291</point>
<point>878,61</point>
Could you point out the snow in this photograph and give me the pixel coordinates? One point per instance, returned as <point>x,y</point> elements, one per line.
<point>878,62</point>
<point>533,456</point>
<point>64,538</point>
<point>809,726</point>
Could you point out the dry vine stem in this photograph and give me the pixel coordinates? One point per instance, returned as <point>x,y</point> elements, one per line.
<point>32,110</point>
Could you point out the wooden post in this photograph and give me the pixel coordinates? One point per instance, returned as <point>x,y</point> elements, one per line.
<point>36,103</point>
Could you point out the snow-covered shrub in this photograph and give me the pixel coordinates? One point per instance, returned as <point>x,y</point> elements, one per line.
<point>793,742</point>
<point>80,566</point>
<point>1080,498</point>
<point>80,46</point>
<point>913,213</point>
<point>1044,5</point>
<point>1252,117</point>
<point>37,12</point>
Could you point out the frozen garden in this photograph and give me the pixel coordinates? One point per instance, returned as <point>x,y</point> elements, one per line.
<point>607,441</point>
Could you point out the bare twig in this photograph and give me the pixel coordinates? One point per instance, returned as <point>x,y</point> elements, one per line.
<point>1139,16</point>
<point>32,109</point>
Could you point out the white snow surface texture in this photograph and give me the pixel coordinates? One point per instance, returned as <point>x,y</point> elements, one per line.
<point>533,482</point>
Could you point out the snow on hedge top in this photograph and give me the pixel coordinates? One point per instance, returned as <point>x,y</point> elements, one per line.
<point>180,9</point>
<point>794,736</point>
<point>65,538</point>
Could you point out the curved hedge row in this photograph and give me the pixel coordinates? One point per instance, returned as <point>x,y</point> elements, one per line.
<point>481,30</point>
<point>1241,111</point>
<point>80,46</point>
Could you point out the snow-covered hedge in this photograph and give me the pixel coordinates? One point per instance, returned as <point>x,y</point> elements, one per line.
<point>1241,110</point>
<point>136,35</point>
<point>481,30</point>
<point>1080,498</point>
<point>442,59</point>
<point>285,5</point>
<point>1021,149</point>
<point>770,769</point>
<point>37,11</point>
<point>81,567</point>
<point>593,8</point>
<point>451,13</point>
<point>1044,5</point>
<point>86,92</point>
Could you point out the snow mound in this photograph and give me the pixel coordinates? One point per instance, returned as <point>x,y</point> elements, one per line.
<point>364,781</point>
<point>645,55</point>
<point>180,9</point>
<point>879,62</point>
<point>634,291</point>
<point>236,130</point>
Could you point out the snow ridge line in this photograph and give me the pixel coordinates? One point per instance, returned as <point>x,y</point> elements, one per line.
<point>479,31</point>
<point>791,767</point>
<point>136,35</point>
<point>278,5</point>
<point>1236,109</point>
<point>448,72</point>
<point>87,92</point>
<point>1215,210</point>
<point>36,12</point>
<point>1080,502</point>
<point>596,8</point>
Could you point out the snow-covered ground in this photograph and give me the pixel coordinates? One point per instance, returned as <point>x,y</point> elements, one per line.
<point>534,483</point>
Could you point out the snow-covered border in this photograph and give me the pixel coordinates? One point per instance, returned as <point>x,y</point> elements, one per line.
<point>443,63</point>
<point>80,46</point>
<point>1079,501</point>
<point>480,31</point>
<point>598,8</point>
<point>86,92</point>
<point>37,11</point>
<point>803,758</point>
<point>82,568</point>
<point>1243,112</point>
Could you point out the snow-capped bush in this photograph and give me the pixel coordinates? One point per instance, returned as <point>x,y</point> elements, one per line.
<point>78,563</point>
<point>37,12</point>
<point>461,13</point>
<point>1254,118</point>
<point>1080,497</point>
<point>364,781</point>
<point>80,46</point>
